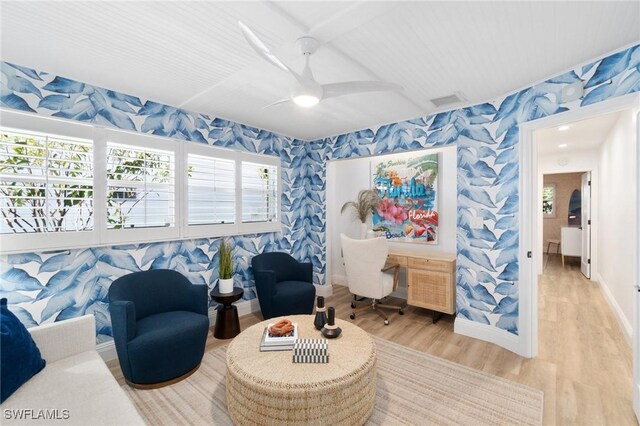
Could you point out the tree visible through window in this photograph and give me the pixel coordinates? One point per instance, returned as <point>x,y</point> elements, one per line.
<point>549,200</point>
<point>46,183</point>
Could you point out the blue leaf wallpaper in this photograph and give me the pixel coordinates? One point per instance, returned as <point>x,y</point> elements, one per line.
<point>488,176</point>
<point>49,287</point>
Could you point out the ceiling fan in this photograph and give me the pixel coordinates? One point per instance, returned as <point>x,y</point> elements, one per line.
<point>308,92</point>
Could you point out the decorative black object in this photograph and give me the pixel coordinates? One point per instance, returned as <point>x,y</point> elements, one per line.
<point>227,322</point>
<point>321,315</point>
<point>330,329</point>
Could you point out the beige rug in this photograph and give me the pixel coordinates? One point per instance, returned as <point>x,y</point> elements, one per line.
<point>413,388</point>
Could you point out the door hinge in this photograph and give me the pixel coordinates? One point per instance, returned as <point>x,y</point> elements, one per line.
<point>588,221</point>
<point>529,254</point>
<point>589,261</point>
<point>589,183</point>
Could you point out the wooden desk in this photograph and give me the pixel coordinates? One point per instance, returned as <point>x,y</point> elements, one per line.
<point>431,281</point>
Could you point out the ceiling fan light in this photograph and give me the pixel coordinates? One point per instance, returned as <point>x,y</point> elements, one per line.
<point>306,101</point>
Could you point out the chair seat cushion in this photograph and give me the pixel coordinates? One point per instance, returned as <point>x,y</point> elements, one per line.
<point>167,345</point>
<point>293,289</point>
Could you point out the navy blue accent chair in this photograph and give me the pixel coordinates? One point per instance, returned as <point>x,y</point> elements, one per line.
<point>284,285</point>
<point>160,324</point>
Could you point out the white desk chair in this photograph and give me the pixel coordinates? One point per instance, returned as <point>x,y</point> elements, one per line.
<point>571,242</point>
<point>365,264</point>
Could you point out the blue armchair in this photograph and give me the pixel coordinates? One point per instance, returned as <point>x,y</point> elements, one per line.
<point>160,324</point>
<point>284,285</point>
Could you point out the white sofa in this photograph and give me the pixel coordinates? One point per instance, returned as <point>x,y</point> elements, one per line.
<point>75,387</point>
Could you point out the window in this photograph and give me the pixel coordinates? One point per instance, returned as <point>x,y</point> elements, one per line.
<point>259,192</point>
<point>102,187</point>
<point>46,183</point>
<point>549,201</point>
<point>140,187</point>
<point>211,189</point>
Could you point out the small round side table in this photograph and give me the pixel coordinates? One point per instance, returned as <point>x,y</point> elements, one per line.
<point>227,322</point>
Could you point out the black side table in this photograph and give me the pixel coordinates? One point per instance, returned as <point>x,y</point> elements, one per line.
<point>227,322</point>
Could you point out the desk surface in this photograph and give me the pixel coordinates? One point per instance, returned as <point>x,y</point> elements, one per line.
<point>422,254</point>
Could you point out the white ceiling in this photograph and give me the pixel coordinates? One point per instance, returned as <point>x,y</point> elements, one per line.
<point>584,135</point>
<point>193,55</point>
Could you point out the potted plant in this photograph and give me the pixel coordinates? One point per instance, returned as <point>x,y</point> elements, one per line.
<point>364,206</point>
<point>225,283</point>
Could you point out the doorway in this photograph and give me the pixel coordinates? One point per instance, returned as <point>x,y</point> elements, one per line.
<point>610,229</point>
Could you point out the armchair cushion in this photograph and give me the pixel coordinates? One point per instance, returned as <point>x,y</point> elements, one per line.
<point>20,357</point>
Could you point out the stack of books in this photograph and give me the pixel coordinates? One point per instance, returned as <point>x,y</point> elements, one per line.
<point>278,343</point>
<point>314,351</point>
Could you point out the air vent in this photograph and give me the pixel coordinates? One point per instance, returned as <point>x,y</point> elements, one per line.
<point>454,98</point>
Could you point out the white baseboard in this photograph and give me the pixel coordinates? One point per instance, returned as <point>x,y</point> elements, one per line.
<point>324,290</point>
<point>488,333</point>
<point>627,329</point>
<point>107,350</point>
<point>340,280</point>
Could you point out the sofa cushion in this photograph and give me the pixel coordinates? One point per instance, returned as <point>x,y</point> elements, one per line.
<point>80,388</point>
<point>167,345</point>
<point>20,358</point>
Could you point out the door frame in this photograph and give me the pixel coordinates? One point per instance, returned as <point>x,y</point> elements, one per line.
<point>528,274</point>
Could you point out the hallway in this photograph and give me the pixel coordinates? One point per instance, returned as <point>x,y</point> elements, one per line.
<point>580,335</point>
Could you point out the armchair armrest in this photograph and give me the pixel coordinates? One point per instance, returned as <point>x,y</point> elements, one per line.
<point>396,274</point>
<point>123,319</point>
<point>199,299</point>
<point>66,338</point>
<point>306,272</point>
<point>266,288</point>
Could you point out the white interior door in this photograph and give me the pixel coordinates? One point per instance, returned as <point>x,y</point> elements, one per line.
<point>585,262</point>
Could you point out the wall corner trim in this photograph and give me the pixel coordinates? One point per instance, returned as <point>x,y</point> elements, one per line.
<point>489,334</point>
<point>324,290</point>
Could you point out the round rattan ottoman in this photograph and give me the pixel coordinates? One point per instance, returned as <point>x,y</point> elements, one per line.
<point>267,388</point>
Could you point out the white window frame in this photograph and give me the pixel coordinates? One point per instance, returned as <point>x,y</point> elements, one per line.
<point>212,230</point>
<point>143,141</point>
<point>100,235</point>
<point>260,227</point>
<point>49,240</point>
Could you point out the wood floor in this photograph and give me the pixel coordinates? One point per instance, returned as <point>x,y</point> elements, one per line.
<point>584,366</point>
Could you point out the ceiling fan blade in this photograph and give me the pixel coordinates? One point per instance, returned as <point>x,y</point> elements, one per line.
<point>263,50</point>
<point>333,90</point>
<point>276,103</point>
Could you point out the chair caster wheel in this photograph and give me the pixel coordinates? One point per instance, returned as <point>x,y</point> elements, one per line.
<point>353,305</point>
<point>401,312</point>
<point>386,322</point>
<point>352,316</point>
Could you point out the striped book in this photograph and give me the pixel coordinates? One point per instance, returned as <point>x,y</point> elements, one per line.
<point>314,351</point>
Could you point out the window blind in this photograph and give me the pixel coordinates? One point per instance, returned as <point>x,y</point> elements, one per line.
<point>140,187</point>
<point>259,192</point>
<point>211,185</point>
<point>46,183</point>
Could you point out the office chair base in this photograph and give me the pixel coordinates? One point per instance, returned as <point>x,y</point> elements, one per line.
<point>147,386</point>
<point>376,307</point>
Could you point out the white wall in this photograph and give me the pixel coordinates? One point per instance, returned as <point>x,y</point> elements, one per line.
<point>345,178</point>
<point>570,162</point>
<point>617,215</point>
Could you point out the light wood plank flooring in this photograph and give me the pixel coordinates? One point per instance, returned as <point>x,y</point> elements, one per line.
<point>584,366</point>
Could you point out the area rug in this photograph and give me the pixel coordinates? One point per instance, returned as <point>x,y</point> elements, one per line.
<point>413,389</point>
